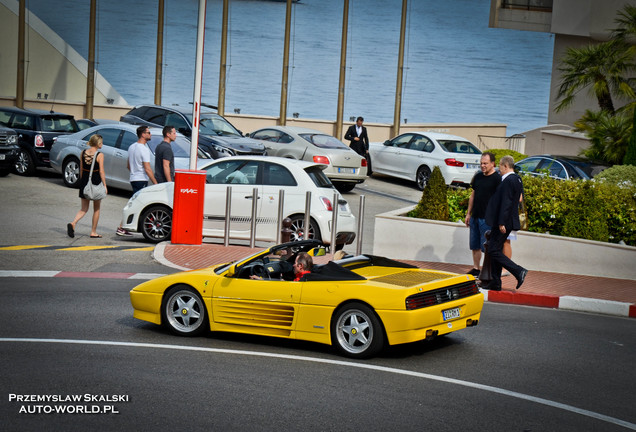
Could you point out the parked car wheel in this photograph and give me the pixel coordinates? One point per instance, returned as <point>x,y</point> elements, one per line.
<point>344,187</point>
<point>183,311</point>
<point>156,223</point>
<point>298,229</point>
<point>24,165</point>
<point>356,331</point>
<point>422,176</point>
<point>71,172</point>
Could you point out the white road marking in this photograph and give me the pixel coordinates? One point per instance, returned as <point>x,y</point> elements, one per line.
<point>463,383</point>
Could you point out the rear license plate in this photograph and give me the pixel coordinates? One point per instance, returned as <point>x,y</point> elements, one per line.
<point>449,314</point>
<point>472,166</point>
<point>342,207</point>
<point>343,170</point>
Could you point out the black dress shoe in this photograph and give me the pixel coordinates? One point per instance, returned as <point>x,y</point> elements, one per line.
<point>492,287</point>
<point>522,277</point>
<point>474,272</point>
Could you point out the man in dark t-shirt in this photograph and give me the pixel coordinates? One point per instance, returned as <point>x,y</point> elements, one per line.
<point>164,157</point>
<point>484,185</point>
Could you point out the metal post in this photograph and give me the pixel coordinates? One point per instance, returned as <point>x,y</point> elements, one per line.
<point>228,216</point>
<point>159,59</point>
<point>360,225</point>
<point>90,73</point>
<point>307,221</point>
<point>283,88</point>
<point>398,86</point>
<point>198,81</point>
<point>279,219</point>
<point>19,91</point>
<point>343,66</point>
<point>334,223</point>
<point>254,214</point>
<point>223,67</point>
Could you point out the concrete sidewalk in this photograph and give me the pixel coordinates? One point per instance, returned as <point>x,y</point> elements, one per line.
<point>545,289</point>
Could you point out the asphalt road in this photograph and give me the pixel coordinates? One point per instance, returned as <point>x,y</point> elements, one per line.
<point>520,369</point>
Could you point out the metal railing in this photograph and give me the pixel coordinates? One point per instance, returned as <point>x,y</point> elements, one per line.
<point>280,218</point>
<point>538,5</point>
<point>515,142</point>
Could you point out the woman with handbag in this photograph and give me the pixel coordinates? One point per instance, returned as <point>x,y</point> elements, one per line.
<point>92,184</point>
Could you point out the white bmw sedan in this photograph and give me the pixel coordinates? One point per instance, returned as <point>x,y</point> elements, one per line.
<point>149,211</point>
<point>413,155</point>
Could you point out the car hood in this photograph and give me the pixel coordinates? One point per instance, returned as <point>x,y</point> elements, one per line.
<point>242,144</point>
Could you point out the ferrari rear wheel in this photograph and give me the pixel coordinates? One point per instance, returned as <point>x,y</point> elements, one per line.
<point>183,311</point>
<point>356,331</point>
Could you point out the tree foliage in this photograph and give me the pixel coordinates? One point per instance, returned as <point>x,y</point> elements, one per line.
<point>434,201</point>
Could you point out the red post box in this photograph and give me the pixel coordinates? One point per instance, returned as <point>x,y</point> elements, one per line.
<point>187,211</point>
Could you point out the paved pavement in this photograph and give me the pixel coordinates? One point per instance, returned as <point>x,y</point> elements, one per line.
<point>544,289</point>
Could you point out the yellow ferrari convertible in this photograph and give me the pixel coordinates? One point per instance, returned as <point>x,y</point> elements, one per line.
<point>357,304</point>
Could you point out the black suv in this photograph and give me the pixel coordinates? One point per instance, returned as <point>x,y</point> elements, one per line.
<point>8,150</point>
<point>36,130</point>
<point>217,136</point>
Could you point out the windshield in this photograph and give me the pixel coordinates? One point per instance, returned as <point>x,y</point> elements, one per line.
<point>324,141</point>
<point>318,177</point>
<point>59,124</point>
<point>213,124</point>
<point>458,146</point>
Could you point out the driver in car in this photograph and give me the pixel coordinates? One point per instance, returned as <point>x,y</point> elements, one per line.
<point>302,266</point>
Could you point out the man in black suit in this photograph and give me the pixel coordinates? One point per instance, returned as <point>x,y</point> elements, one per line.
<point>502,214</point>
<point>359,141</point>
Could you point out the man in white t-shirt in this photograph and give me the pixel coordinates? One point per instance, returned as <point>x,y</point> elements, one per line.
<point>139,166</point>
<point>139,161</point>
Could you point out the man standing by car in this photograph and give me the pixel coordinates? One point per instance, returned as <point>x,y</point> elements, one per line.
<point>484,185</point>
<point>502,214</point>
<point>164,157</point>
<point>357,135</point>
<point>139,167</point>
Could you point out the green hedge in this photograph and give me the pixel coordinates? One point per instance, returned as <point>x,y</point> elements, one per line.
<point>582,209</point>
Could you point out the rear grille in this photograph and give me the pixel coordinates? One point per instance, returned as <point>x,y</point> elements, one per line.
<point>410,278</point>
<point>442,295</point>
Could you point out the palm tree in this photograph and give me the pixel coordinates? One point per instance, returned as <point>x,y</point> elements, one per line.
<point>609,135</point>
<point>626,21</point>
<point>602,69</point>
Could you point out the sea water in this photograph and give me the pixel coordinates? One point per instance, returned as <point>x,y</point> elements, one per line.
<point>456,68</point>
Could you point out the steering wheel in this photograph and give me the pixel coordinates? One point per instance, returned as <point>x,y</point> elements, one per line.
<point>259,270</point>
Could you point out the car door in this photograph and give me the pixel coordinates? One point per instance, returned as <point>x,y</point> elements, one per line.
<point>418,152</point>
<point>390,158</point>
<point>243,176</point>
<point>276,177</point>
<point>268,307</point>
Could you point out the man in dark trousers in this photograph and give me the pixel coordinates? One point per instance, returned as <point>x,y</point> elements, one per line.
<point>502,214</point>
<point>357,135</point>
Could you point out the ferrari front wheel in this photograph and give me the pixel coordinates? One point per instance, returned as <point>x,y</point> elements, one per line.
<point>356,331</point>
<point>184,312</point>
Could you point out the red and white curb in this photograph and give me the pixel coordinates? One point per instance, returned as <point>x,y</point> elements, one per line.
<point>579,304</point>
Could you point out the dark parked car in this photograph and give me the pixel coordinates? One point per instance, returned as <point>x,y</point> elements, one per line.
<point>36,132</point>
<point>217,136</point>
<point>560,167</point>
<point>8,150</point>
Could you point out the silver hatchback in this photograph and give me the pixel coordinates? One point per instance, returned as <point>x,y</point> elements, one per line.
<point>67,150</point>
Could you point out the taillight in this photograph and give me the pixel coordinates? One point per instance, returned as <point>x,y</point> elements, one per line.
<point>453,162</point>
<point>363,162</point>
<point>327,203</point>
<point>39,141</point>
<point>321,160</point>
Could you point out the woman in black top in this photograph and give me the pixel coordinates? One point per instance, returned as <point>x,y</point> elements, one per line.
<point>95,143</point>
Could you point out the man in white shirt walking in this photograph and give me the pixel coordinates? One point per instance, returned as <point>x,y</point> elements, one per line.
<point>139,166</point>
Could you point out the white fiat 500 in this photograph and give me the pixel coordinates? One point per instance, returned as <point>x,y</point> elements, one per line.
<point>413,155</point>
<point>149,211</point>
